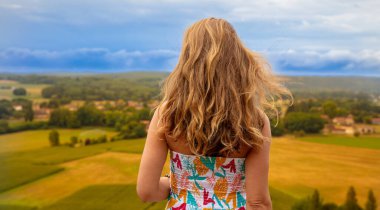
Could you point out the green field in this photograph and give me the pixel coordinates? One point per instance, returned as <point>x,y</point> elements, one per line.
<point>35,139</point>
<point>110,197</point>
<point>44,161</point>
<point>370,142</point>
<point>103,176</point>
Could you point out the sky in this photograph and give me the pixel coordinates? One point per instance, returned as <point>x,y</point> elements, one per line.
<point>298,37</point>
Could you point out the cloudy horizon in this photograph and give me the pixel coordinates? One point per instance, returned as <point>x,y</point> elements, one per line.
<point>297,37</point>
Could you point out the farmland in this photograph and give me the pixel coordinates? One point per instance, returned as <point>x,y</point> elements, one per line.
<point>104,175</point>
<point>33,90</point>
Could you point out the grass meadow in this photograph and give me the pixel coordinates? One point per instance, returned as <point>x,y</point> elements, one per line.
<point>35,139</point>
<point>103,176</point>
<point>365,141</point>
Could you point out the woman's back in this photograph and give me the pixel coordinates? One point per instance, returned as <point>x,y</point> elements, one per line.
<point>214,100</point>
<point>205,182</point>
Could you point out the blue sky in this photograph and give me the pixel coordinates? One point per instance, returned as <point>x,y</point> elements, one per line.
<point>297,37</point>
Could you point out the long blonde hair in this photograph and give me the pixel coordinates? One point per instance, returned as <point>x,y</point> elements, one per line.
<point>216,92</point>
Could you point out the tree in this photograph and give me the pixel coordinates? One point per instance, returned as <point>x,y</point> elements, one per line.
<point>59,117</point>
<point>19,92</point>
<point>112,117</point>
<point>351,202</point>
<point>371,201</point>
<point>74,140</point>
<point>132,129</point>
<point>144,114</point>
<point>330,109</point>
<point>28,113</point>
<point>6,109</point>
<point>367,119</point>
<point>89,115</point>
<point>316,201</point>
<point>54,138</point>
<point>63,117</point>
<point>313,202</point>
<point>278,130</point>
<point>72,121</point>
<point>308,122</point>
<point>330,206</point>
<point>3,126</point>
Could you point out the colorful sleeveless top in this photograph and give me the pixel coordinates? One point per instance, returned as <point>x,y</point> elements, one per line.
<point>206,183</point>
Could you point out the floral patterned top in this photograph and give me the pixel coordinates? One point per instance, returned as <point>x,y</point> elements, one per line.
<point>206,183</point>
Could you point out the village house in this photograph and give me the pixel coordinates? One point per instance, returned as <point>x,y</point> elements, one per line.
<point>364,129</point>
<point>153,104</point>
<point>345,121</point>
<point>102,105</point>
<point>120,102</point>
<point>41,113</point>
<point>74,105</point>
<point>334,129</point>
<point>136,104</point>
<point>17,107</point>
<point>324,116</point>
<point>376,121</point>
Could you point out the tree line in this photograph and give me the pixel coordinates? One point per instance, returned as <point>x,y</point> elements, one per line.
<point>315,202</point>
<point>127,121</point>
<point>304,116</point>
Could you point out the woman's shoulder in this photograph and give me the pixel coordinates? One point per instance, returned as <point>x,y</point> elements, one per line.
<point>264,119</point>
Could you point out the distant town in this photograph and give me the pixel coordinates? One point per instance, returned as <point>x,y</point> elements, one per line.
<point>125,103</point>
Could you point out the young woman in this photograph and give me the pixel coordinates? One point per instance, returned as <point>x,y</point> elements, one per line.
<point>212,120</point>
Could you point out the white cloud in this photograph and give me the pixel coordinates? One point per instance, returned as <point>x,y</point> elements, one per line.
<point>338,61</point>
<point>85,58</point>
<point>363,62</point>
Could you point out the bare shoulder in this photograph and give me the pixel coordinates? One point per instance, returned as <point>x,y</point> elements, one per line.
<point>160,108</point>
<point>265,119</point>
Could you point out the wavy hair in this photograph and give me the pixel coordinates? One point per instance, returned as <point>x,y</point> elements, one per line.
<point>218,92</point>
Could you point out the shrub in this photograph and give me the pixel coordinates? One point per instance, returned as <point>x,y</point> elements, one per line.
<point>3,126</point>
<point>278,130</point>
<point>132,129</point>
<point>102,139</point>
<point>54,138</point>
<point>19,91</point>
<point>299,133</point>
<point>27,126</point>
<point>308,122</point>
<point>356,133</point>
<point>330,206</point>
<point>74,140</point>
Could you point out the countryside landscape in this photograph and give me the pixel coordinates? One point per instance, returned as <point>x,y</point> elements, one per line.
<point>75,141</point>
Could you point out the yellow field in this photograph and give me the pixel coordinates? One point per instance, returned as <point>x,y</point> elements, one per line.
<point>299,167</point>
<point>106,168</point>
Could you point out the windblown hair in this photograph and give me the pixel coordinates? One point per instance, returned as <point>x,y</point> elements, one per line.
<point>218,92</point>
